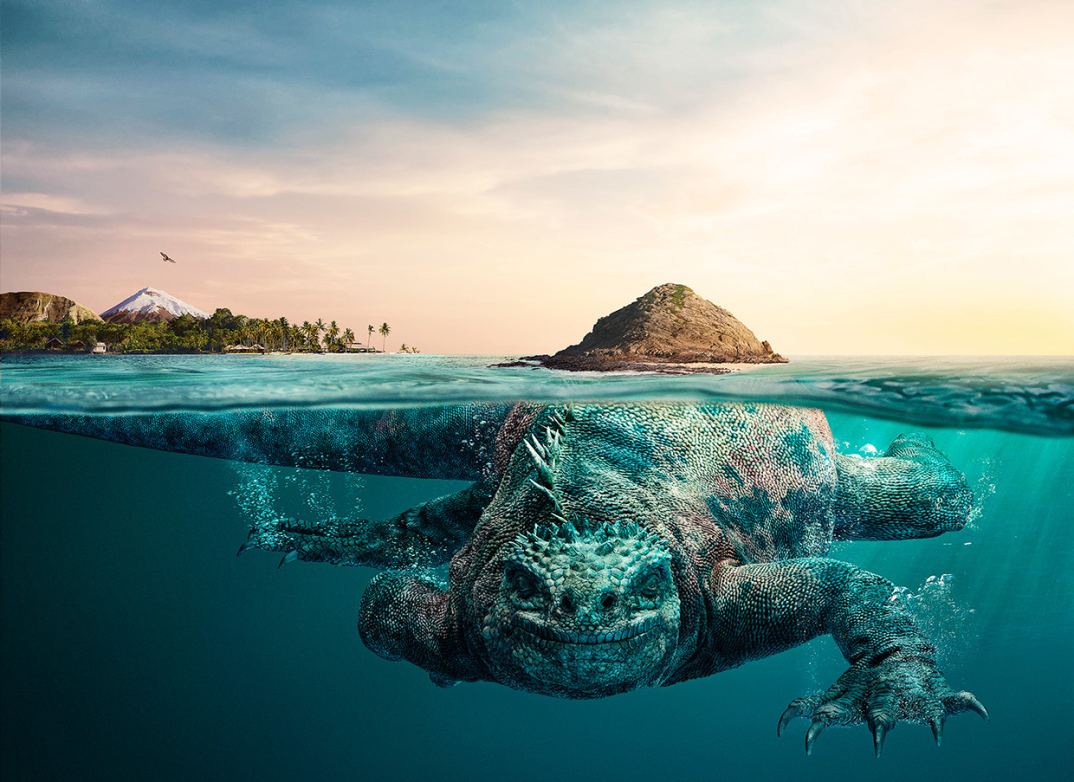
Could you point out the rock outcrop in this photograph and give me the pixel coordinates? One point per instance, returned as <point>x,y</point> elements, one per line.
<point>34,306</point>
<point>669,325</point>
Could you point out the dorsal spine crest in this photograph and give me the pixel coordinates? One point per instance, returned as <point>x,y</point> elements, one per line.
<point>545,455</point>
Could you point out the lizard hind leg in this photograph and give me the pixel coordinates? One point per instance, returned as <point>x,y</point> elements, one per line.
<point>425,535</point>
<point>912,491</point>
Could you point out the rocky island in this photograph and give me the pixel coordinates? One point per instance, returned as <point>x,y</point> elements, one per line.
<point>670,329</point>
<point>36,306</point>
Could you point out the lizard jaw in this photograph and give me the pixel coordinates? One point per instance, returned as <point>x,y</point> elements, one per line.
<point>625,634</point>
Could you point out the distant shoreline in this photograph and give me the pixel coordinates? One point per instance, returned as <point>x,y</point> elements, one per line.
<point>48,352</point>
<point>662,368</point>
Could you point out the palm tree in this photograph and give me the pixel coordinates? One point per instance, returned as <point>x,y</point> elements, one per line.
<point>332,332</point>
<point>319,325</point>
<point>384,330</point>
<point>371,330</point>
<point>348,337</point>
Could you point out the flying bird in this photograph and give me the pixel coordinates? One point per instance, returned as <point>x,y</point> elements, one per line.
<point>166,258</point>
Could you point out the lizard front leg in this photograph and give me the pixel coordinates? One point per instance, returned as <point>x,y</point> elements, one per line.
<point>404,617</point>
<point>761,609</point>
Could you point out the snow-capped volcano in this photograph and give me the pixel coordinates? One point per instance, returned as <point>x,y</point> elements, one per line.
<point>152,305</point>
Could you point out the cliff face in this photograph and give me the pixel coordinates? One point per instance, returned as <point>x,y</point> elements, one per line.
<point>671,323</point>
<point>31,306</point>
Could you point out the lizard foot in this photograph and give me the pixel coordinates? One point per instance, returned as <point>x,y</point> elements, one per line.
<point>881,694</point>
<point>333,542</point>
<point>396,542</point>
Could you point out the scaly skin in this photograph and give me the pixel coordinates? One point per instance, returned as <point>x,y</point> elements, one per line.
<point>604,548</point>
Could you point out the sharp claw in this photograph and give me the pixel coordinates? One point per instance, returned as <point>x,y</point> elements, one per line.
<point>977,706</point>
<point>880,730</point>
<point>288,558</point>
<point>245,547</point>
<point>937,729</point>
<point>811,735</point>
<point>785,720</point>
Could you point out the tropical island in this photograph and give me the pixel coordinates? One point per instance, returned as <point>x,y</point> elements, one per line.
<point>154,322</point>
<point>671,330</point>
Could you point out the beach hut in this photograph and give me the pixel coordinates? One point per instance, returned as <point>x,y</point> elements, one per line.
<point>357,347</point>
<point>99,349</point>
<point>76,345</point>
<point>54,344</point>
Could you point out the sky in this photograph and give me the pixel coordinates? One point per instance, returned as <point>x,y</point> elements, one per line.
<point>858,176</point>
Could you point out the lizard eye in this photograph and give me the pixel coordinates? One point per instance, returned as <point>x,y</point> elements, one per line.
<point>650,585</point>
<point>521,582</point>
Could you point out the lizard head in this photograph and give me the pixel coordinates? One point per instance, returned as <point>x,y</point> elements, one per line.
<point>584,611</point>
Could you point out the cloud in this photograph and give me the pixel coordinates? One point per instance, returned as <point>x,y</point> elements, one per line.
<point>17,204</point>
<point>791,161</point>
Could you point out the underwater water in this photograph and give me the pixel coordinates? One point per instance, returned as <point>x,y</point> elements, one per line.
<point>135,645</point>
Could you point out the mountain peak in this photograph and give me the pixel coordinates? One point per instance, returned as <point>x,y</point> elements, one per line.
<point>152,305</point>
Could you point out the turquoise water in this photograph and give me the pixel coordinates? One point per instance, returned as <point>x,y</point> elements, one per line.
<point>1027,394</point>
<point>135,645</point>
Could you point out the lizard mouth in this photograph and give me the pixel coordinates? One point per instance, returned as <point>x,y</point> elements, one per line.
<point>630,632</point>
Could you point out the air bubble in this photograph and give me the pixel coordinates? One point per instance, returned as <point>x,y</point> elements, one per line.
<point>939,617</point>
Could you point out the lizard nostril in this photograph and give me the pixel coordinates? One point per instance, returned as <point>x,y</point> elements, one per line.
<point>567,604</point>
<point>609,600</point>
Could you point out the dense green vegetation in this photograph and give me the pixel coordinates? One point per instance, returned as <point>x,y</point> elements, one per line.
<point>185,334</point>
